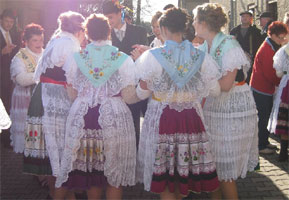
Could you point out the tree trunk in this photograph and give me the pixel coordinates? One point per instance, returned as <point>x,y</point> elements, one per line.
<point>138,10</point>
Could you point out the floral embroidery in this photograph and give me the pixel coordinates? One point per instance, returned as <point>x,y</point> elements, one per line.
<point>218,51</point>
<point>98,72</point>
<point>184,68</point>
<point>29,61</point>
<point>32,136</point>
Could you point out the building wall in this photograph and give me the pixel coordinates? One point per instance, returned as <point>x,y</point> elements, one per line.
<point>189,5</point>
<point>234,7</point>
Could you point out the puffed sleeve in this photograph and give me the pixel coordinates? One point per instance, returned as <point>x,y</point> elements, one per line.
<point>19,73</point>
<point>210,75</point>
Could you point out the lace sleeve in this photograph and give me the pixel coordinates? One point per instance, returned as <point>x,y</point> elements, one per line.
<point>210,75</point>
<point>127,73</point>
<point>148,69</point>
<point>233,59</point>
<point>16,67</point>
<point>281,61</point>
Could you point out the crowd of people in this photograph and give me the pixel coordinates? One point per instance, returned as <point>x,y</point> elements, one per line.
<point>206,97</point>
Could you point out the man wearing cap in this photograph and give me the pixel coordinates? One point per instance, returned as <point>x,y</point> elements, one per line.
<point>265,20</point>
<point>249,37</point>
<point>124,36</point>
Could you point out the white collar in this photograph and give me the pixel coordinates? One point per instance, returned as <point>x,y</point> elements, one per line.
<point>3,30</point>
<point>102,42</point>
<point>123,28</point>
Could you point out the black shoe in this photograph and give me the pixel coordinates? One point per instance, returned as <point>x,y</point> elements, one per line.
<point>283,156</point>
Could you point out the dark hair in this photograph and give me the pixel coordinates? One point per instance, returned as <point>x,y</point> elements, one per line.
<point>8,13</point>
<point>110,7</point>
<point>97,27</point>
<point>189,33</point>
<point>175,19</point>
<point>212,14</point>
<point>70,22</point>
<point>32,29</point>
<point>168,6</point>
<point>277,28</point>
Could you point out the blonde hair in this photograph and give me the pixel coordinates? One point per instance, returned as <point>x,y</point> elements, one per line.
<point>70,22</point>
<point>213,14</point>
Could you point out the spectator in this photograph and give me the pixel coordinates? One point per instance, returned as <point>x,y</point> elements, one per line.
<point>264,80</point>
<point>265,20</point>
<point>249,37</point>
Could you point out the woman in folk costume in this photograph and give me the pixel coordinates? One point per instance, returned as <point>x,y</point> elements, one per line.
<point>22,69</point>
<point>50,103</point>
<point>231,117</point>
<point>279,119</point>
<point>100,142</point>
<point>174,155</point>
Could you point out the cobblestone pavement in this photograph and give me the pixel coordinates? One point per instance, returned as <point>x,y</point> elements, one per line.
<point>271,182</point>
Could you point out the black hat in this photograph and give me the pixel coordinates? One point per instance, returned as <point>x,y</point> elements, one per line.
<point>266,14</point>
<point>249,12</point>
<point>110,7</point>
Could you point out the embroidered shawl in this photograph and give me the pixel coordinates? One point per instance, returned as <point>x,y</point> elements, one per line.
<point>98,63</point>
<point>221,44</point>
<point>28,59</point>
<point>180,60</point>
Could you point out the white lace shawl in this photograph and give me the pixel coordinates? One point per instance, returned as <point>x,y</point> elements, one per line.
<point>56,52</point>
<point>112,113</point>
<point>201,85</point>
<point>281,65</point>
<point>281,61</point>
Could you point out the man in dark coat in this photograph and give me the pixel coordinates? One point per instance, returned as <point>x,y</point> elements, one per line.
<point>124,36</point>
<point>9,43</point>
<point>249,37</point>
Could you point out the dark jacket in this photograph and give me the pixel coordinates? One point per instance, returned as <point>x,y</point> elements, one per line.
<point>253,32</point>
<point>133,35</point>
<point>6,85</point>
<point>250,44</point>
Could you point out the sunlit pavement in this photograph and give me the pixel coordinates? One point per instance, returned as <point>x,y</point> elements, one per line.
<point>271,182</point>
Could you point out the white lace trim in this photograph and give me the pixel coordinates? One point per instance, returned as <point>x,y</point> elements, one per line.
<point>56,52</point>
<point>239,61</point>
<point>281,61</point>
<point>277,100</point>
<point>232,126</point>
<point>164,89</point>
<point>122,78</point>
<point>118,141</point>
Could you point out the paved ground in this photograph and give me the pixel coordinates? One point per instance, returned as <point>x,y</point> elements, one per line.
<point>271,182</point>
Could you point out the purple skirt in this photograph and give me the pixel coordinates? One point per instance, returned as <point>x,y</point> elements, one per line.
<point>81,180</point>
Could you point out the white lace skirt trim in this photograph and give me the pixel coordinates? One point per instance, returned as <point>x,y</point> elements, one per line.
<point>148,143</point>
<point>119,145</point>
<point>56,106</point>
<point>18,114</point>
<point>233,130</point>
<point>277,100</point>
